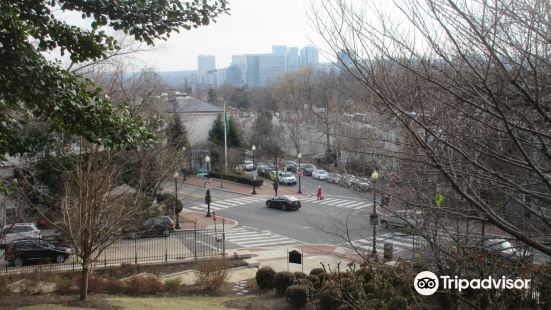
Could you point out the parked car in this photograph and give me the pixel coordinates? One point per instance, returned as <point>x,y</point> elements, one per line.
<point>319,174</point>
<point>22,251</point>
<point>12,232</point>
<point>402,218</point>
<point>308,169</point>
<point>248,165</point>
<point>360,184</point>
<point>347,180</point>
<point>203,173</point>
<point>291,168</point>
<point>334,178</point>
<point>264,170</point>
<point>503,249</point>
<point>287,178</point>
<point>160,226</point>
<point>285,203</point>
<point>286,162</point>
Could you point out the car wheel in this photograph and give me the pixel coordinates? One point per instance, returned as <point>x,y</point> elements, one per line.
<point>60,259</point>
<point>268,204</point>
<point>284,208</point>
<point>18,262</point>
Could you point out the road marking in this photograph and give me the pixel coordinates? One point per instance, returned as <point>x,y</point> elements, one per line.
<point>245,236</point>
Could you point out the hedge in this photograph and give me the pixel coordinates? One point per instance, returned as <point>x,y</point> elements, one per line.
<point>243,179</point>
<point>265,277</point>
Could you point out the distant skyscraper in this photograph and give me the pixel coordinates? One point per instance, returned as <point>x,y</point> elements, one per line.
<point>293,59</point>
<point>205,63</point>
<point>309,55</point>
<point>279,50</point>
<point>344,58</point>
<point>234,75</point>
<point>263,69</point>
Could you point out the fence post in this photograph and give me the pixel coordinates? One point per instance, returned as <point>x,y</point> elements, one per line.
<point>195,240</point>
<point>104,259</point>
<point>166,251</point>
<point>135,251</point>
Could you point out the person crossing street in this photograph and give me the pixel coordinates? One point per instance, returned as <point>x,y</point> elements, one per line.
<point>319,193</point>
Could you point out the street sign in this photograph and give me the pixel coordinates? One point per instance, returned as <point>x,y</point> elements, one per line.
<point>374,219</point>
<point>299,172</point>
<point>295,257</point>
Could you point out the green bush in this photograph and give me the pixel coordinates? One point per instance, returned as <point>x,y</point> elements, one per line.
<point>297,295</point>
<point>330,300</point>
<point>172,285</point>
<point>265,277</point>
<point>315,280</point>
<point>282,281</point>
<point>243,179</point>
<point>299,275</point>
<point>320,273</point>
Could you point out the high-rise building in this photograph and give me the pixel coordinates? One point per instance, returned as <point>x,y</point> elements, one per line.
<point>263,69</point>
<point>293,60</point>
<point>309,55</point>
<point>205,63</point>
<point>344,58</point>
<point>279,50</point>
<point>234,76</point>
<point>240,61</point>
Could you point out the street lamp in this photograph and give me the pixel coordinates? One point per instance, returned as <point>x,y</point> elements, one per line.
<point>176,214</point>
<point>374,216</point>
<point>299,156</point>
<point>207,196</point>
<point>253,148</point>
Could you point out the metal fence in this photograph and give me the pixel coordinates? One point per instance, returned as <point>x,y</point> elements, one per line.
<point>184,244</point>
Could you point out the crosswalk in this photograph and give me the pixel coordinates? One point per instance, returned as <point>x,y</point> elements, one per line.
<point>228,203</point>
<point>400,243</point>
<point>248,237</point>
<point>340,202</point>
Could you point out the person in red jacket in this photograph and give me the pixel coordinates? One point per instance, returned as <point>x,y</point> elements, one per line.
<point>319,194</point>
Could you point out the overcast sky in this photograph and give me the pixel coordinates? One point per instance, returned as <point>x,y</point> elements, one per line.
<point>253,26</point>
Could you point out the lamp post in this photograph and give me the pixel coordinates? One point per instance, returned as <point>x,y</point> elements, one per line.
<point>299,156</point>
<point>207,196</point>
<point>176,214</point>
<point>253,148</point>
<point>374,216</point>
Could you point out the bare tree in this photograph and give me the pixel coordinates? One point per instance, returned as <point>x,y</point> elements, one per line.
<point>468,81</point>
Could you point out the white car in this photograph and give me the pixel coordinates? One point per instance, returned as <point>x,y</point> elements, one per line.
<point>286,178</point>
<point>319,174</point>
<point>248,165</point>
<point>18,231</point>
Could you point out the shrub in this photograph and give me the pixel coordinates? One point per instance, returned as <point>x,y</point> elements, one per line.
<point>265,277</point>
<point>297,295</point>
<point>315,280</point>
<point>329,300</point>
<point>143,286</point>
<point>320,273</point>
<point>237,178</point>
<point>282,281</point>
<point>212,274</point>
<point>3,286</point>
<point>114,286</point>
<point>398,303</point>
<point>130,269</point>
<point>299,275</point>
<point>172,284</point>
<point>65,286</point>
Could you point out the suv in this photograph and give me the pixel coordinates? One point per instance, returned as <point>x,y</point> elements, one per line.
<point>402,218</point>
<point>12,232</point>
<point>360,184</point>
<point>160,226</point>
<point>248,165</point>
<point>308,169</point>
<point>22,251</point>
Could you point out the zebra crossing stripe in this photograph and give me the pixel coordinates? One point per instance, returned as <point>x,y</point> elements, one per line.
<point>249,238</point>
<point>237,236</point>
<point>350,203</point>
<point>271,242</point>
<point>326,200</point>
<point>333,202</point>
<point>268,239</point>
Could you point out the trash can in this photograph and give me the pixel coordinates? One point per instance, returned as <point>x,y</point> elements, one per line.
<point>387,253</point>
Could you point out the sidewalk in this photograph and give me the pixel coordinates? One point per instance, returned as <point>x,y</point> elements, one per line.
<point>237,188</point>
<point>192,219</point>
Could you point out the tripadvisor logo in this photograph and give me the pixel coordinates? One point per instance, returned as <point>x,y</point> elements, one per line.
<point>427,283</point>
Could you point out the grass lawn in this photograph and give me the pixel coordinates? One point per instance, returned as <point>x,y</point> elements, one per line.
<point>187,302</point>
<point>50,307</point>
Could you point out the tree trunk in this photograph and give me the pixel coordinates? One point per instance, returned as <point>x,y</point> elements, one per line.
<point>84,281</point>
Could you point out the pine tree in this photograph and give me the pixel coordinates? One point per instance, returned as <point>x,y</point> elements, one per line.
<point>176,133</point>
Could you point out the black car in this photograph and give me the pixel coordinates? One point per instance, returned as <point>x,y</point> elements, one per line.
<point>284,203</point>
<point>23,251</point>
<point>160,226</point>
<point>308,169</point>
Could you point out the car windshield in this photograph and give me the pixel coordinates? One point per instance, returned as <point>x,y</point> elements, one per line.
<point>500,244</point>
<point>248,162</point>
<point>287,174</point>
<point>291,198</point>
<point>307,166</point>
<point>322,172</point>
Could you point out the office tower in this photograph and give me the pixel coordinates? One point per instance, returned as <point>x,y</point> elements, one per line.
<point>344,58</point>
<point>309,56</point>
<point>263,69</point>
<point>293,59</point>
<point>279,50</point>
<point>234,75</point>
<point>252,76</point>
<point>205,63</point>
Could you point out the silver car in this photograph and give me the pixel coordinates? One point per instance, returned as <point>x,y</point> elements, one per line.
<point>12,232</point>
<point>334,178</point>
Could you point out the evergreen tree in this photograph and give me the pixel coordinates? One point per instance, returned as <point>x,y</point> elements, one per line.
<point>216,133</point>
<point>211,95</point>
<point>176,133</point>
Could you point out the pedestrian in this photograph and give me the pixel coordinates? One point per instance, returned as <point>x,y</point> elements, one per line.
<point>207,182</point>
<point>275,186</point>
<point>319,194</point>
